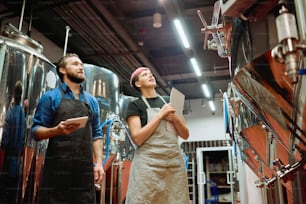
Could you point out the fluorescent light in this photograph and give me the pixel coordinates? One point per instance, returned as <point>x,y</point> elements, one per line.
<point>196,67</point>
<point>181,33</point>
<point>205,90</point>
<point>212,105</point>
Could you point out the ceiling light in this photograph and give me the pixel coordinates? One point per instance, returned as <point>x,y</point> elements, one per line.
<point>181,33</point>
<point>206,90</point>
<point>195,66</point>
<point>212,105</point>
<point>157,20</point>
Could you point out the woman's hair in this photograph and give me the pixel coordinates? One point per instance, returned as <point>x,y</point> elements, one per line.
<point>135,76</point>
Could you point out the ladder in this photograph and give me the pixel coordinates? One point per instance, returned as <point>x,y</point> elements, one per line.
<point>191,180</point>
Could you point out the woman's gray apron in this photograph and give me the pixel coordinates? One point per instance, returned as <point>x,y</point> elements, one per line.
<point>68,170</point>
<point>158,172</point>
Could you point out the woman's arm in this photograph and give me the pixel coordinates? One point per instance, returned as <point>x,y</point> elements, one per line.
<point>179,125</point>
<point>141,134</point>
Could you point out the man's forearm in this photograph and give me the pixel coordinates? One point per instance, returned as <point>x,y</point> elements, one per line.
<point>98,151</point>
<point>46,133</point>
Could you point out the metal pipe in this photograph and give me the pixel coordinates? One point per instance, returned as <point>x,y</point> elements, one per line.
<point>112,183</point>
<point>300,7</point>
<point>119,182</point>
<point>95,30</point>
<point>21,15</point>
<point>102,190</point>
<point>66,39</point>
<point>98,27</point>
<point>79,26</point>
<point>29,32</point>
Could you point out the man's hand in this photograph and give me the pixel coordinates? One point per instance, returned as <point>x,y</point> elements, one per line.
<point>67,128</point>
<point>98,173</point>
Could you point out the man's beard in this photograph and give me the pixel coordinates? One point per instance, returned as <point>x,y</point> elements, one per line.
<point>75,78</point>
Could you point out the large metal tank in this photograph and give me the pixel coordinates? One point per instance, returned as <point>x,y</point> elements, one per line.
<point>124,101</point>
<point>22,62</point>
<point>104,85</point>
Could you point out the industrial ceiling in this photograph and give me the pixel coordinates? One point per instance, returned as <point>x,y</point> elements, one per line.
<point>119,35</point>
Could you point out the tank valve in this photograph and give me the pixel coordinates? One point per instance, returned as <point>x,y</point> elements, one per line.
<point>260,184</point>
<point>286,52</point>
<point>269,182</point>
<point>266,182</point>
<point>288,172</point>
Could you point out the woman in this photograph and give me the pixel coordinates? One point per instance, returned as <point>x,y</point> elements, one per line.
<point>158,172</point>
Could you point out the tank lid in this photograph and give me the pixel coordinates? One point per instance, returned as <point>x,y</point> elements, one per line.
<point>13,33</point>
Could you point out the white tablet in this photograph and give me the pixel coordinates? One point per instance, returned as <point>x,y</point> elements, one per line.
<point>79,120</point>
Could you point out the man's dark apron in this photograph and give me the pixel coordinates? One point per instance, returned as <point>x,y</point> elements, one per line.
<point>68,170</point>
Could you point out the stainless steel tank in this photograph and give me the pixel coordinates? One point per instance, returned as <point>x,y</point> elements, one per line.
<point>124,101</point>
<point>22,62</point>
<point>104,85</point>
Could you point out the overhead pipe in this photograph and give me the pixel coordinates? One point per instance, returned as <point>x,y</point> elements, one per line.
<point>121,32</point>
<point>101,27</point>
<point>79,25</point>
<point>21,15</point>
<point>29,31</point>
<point>66,39</point>
<point>111,37</point>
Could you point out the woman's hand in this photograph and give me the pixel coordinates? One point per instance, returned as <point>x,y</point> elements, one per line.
<point>166,110</point>
<point>172,117</point>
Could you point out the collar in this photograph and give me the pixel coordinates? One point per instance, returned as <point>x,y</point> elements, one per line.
<point>66,88</point>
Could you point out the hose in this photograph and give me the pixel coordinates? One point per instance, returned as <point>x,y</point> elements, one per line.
<point>109,124</point>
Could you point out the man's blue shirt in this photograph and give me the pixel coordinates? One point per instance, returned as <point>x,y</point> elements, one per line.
<point>51,100</point>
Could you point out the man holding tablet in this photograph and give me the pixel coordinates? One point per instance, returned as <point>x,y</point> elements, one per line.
<point>69,117</point>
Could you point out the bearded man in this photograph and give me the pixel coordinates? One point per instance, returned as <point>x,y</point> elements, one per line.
<point>69,174</point>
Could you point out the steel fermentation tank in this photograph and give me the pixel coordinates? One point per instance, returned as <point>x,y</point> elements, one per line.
<point>124,101</point>
<point>22,61</point>
<point>103,84</point>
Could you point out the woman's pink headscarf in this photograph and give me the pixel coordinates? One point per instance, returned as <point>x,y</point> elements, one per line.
<point>137,72</point>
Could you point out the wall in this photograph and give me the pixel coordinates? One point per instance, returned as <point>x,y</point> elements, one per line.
<point>202,124</point>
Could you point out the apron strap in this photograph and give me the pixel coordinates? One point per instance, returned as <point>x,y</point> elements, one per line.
<point>147,103</point>
<point>86,98</point>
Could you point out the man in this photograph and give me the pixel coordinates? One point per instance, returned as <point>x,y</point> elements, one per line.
<point>69,173</point>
